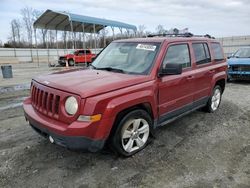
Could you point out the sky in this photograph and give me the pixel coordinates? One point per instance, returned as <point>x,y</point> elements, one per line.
<point>216,17</point>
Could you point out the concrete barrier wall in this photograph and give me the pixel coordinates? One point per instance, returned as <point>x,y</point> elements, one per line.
<point>232,44</point>
<point>11,55</point>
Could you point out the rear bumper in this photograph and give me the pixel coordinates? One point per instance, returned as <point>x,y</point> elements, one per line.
<point>77,135</point>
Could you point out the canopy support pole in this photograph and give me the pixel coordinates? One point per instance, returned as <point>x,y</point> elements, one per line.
<point>66,40</point>
<point>113,33</point>
<point>72,34</point>
<point>127,33</point>
<point>104,37</point>
<point>36,48</point>
<point>48,47</point>
<point>84,43</point>
<point>94,37</point>
<point>57,45</point>
<point>120,28</point>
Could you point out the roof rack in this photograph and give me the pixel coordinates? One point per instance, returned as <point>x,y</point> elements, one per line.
<point>180,35</point>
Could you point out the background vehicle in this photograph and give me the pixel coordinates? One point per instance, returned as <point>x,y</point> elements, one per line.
<point>132,87</point>
<point>75,57</point>
<point>239,65</point>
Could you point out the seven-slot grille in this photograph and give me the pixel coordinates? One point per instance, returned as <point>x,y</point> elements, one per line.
<point>241,67</point>
<point>45,102</point>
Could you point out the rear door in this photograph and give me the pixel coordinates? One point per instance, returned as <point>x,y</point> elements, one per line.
<point>176,91</point>
<point>203,73</point>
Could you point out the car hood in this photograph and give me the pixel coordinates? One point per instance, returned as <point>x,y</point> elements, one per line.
<point>238,61</point>
<point>89,82</point>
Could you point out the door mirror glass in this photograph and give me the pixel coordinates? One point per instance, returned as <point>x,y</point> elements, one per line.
<point>171,69</point>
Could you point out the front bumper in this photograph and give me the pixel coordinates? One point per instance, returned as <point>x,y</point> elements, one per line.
<point>70,142</point>
<point>241,75</point>
<point>77,135</point>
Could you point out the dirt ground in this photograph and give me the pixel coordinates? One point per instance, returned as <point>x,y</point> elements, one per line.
<point>199,150</point>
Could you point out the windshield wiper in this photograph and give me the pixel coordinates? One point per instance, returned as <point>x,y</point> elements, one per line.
<point>111,69</point>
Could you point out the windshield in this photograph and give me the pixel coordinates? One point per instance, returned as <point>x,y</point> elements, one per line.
<point>72,52</point>
<point>127,57</point>
<point>243,53</point>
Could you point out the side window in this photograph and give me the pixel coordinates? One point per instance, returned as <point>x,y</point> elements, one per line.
<point>201,53</point>
<point>178,54</point>
<point>81,53</point>
<point>218,54</point>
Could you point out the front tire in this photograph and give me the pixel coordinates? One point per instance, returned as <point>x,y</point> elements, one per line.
<point>214,100</point>
<point>132,133</point>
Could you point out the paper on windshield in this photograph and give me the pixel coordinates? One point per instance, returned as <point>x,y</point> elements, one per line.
<point>146,47</point>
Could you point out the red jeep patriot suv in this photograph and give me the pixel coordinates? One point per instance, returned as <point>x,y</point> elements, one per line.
<point>132,87</point>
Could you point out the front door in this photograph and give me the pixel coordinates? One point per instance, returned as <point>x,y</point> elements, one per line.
<point>176,91</point>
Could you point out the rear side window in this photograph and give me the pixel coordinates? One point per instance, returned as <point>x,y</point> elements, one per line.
<point>218,54</point>
<point>178,54</point>
<point>201,53</point>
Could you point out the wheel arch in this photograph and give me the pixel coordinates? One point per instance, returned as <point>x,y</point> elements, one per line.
<point>146,106</point>
<point>221,83</point>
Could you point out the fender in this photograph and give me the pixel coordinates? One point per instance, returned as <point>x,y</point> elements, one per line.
<point>218,76</point>
<point>121,103</point>
<point>110,104</point>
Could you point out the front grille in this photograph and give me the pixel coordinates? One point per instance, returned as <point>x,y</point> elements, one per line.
<point>45,102</point>
<point>241,67</point>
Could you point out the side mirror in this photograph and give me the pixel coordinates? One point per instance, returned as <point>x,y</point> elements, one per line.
<point>171,69</point>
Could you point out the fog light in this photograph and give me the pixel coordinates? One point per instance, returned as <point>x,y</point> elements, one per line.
<point>51,139</point>
<point>93,118</point>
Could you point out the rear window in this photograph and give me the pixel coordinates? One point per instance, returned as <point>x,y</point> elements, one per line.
<point>218,54</point>
<point>201,53</point>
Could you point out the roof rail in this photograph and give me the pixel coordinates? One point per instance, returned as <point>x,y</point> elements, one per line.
<point>180,35</point>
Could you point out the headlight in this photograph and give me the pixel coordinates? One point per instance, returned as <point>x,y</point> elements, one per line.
<point>71,105</point>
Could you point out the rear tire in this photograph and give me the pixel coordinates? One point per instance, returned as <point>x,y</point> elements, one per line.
<point>132,133</point>
<point>214,100</point>
<point>71,62</point>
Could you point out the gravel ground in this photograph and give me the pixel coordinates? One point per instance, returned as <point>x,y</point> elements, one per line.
<point>198,150</point>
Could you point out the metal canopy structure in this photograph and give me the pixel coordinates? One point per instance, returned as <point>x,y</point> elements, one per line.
<point>64,21</point>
